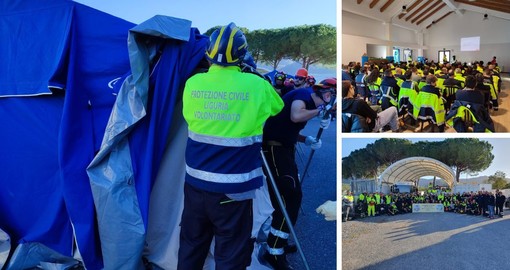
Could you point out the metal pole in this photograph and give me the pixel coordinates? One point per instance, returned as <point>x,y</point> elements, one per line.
<point>284,211</point>
<point>319,134</point>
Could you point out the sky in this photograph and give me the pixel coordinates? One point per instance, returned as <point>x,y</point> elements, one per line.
<point>501,150</point>
<point>205,14</point>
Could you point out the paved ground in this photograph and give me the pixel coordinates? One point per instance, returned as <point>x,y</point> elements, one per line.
<point>317,236</point>
<point>426,241</point>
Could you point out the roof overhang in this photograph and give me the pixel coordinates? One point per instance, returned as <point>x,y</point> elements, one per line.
<point>413,168</point>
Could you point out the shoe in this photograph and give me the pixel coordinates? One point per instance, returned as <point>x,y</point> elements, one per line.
<point>278,262</point>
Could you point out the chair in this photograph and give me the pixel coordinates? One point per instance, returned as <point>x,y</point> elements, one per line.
<point>463,120</point>
<point>354,123</point>
<point>389,97</point>
<point>493,95</point>
<point>440,83</point>
<point>449,92</point>
<point>465,117</point>
<point>421,84</point>
<point>406,99</point>
<point>429,108</point>
<point>362,89</point>
<point>375,93</point>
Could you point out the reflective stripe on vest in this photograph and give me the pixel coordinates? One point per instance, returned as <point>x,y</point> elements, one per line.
<point>224,178</point>
<point>221,141</point>
<point>279,233</point>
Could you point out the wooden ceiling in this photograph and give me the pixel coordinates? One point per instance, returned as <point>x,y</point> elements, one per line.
<point>423,14</point>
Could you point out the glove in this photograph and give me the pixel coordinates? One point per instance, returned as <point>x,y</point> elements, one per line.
<point>324,124</point>
<point>323,109</point>
<point>313,143</point>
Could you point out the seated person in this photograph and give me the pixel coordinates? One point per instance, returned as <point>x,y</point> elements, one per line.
<point>376,121</point>
<point>483,88</point>
<point>399,73</point>
<point>390,90</point>
<point>430,87</point>
<point>459,77</point>
<point>474,99</point>
<point>451,80</point>
<point>469,94</point>
<point>489,80</point>
<point>429,104</point>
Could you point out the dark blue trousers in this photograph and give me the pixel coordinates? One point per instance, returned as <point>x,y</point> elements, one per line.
<point>207,214</point>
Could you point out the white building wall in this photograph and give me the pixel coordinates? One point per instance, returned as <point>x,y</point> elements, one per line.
<point>376,38</point>
<point>361,35</point>
<point>494,38</point>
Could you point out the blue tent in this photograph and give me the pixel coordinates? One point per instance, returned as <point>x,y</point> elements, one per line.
<point>271,74</point>
<point>74,95</point>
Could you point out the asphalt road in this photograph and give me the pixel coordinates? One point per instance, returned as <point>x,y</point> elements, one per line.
<point>317,236</point>
<point>426,241</point>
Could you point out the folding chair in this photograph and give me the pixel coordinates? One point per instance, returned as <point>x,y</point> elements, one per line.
<point>449,92</point>
<point>352,123</point>
<point>375,93</point>
<point>429,108</point>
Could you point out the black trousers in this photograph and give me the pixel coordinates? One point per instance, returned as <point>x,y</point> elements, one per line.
<point>499,209</point>
<point>283,167</point>
<point>207,214</point>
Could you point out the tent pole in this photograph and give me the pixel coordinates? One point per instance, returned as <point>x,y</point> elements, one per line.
<point>284,211</point>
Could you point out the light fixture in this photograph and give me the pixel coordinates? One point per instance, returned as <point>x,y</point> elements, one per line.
<point>404,10</point>
<point>485,16</point>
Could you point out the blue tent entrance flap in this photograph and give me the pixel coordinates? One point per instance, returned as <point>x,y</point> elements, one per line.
<point>137,133</point>
<point>97,56</point>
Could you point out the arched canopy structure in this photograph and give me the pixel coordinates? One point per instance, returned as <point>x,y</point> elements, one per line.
<point>411,169</point>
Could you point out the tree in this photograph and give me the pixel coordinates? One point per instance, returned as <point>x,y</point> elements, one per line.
<point>389,151</point>
<point>498,180</point>
<point>360,164</point>
<point>305,44</point>
<point>312,44</point>
<point>467,155</point>
<point>271,45</point>
<point>319,46</point>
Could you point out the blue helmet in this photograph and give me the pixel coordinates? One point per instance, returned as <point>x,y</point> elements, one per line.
<point>248,60</point>
<point>228,46</point>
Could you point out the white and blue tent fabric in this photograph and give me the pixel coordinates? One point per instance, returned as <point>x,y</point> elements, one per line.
<point>93,137</point>
<point>49,136</point>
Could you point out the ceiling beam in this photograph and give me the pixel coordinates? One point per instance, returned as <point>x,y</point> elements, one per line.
<point>489,5</point>
<point>436,21</point>
<point>410,8</point>
<point>419,9</point>
<point>431,13</point>
<point>374,2</point>
<point>426,11</point>
<point>383,8</point>
<point>452,6</point>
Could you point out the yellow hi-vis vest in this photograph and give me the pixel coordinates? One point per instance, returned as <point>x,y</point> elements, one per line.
<point>226,110</point>
<point>432,108</point>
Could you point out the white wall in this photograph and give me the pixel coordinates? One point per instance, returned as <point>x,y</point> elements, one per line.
<point>378,51</point>
<point>358,32</point>
<point>494,38</point>
<point>364,35</point>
